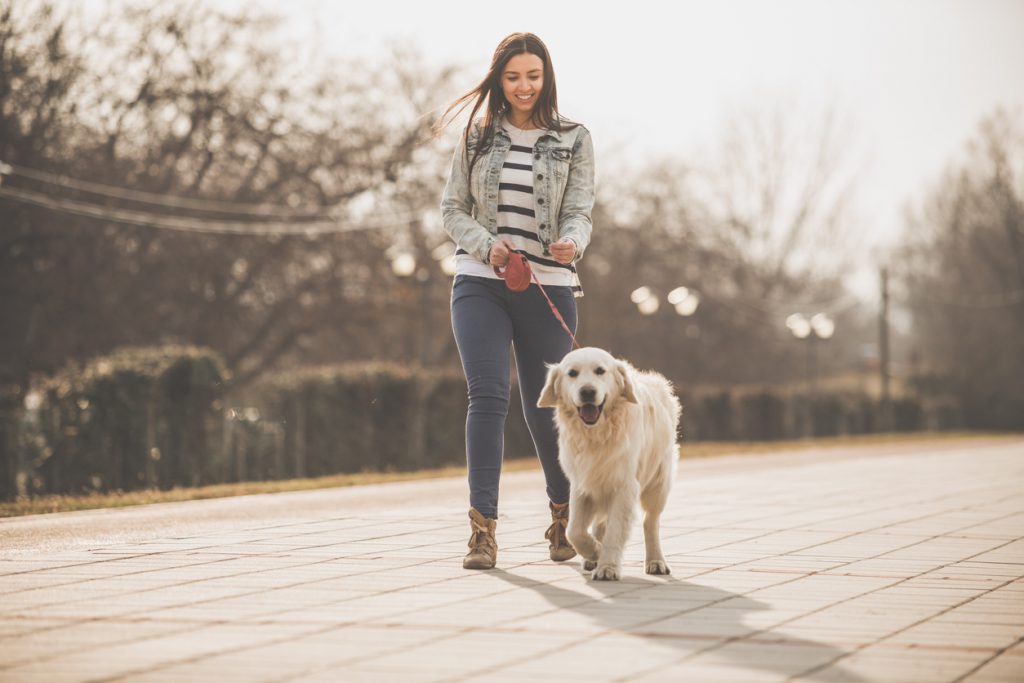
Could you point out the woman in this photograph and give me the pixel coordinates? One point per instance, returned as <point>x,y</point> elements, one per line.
<point>522,180</point>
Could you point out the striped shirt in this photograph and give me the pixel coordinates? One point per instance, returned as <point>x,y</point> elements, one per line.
<point>517,221</point>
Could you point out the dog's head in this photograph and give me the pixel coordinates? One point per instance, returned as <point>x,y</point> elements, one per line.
<point>586,381</point>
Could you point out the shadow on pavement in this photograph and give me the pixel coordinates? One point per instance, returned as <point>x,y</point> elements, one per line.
<point>691,619</point>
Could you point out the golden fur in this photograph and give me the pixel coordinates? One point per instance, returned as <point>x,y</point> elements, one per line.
<point>627,455</point>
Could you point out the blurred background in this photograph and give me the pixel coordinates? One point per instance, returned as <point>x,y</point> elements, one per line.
<point>221,255</point>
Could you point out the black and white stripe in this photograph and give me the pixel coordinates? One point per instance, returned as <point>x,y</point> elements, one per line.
<point>517,214</point>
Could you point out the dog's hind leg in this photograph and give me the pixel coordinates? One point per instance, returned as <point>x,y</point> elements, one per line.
<point>617,528</point>
<point>653,500</point>
<point>581,514</point>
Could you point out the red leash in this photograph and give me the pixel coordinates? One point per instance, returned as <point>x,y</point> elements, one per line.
<point>517,276</point>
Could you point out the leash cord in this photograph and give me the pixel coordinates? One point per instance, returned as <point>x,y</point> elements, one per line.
<point>558,316</point>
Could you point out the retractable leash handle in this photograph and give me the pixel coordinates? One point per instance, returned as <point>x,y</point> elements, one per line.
<point>517,275</point>
<point>517,272</point>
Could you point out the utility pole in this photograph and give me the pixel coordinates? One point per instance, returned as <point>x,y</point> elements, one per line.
<point>883,352</point>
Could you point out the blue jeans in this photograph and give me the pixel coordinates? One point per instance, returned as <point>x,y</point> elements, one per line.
<point>487,319</point>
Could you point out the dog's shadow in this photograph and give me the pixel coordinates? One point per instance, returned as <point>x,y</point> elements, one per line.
<point>690,618</point>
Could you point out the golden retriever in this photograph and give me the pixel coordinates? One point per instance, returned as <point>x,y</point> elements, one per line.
<point>617,445</point>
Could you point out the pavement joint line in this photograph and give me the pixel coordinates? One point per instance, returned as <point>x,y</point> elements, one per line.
<point>498,667</point>
<point>270,553</point>
<point>472,629</point>
<point>813,670</point>
<point>734,639</point>
<point>74,622</point>
<point>318,631</point>
<point>731,525</point>
<point>749,637</point>
<point>201,625</point>
<point>176,550</point>
<point>115,545</point>
<point>995,654</point>
<point>609,631</point>
<point>247,619</point>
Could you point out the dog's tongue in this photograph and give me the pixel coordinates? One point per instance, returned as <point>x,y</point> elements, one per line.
<point>590,413</point>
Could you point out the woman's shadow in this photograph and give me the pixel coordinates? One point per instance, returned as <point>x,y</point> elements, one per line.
<point>689,618</point>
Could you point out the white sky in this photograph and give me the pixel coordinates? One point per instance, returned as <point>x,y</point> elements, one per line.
<point>655,78</point>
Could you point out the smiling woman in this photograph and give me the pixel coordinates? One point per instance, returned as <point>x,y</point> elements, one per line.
<point>521,180</point>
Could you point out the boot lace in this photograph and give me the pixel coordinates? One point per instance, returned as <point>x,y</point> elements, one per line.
<point>556,532</point>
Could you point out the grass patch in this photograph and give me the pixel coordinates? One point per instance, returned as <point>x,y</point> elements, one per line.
<point>64,503</point>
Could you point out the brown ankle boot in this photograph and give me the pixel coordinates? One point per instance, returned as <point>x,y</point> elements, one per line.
<point>559,549</point>
<point>483,548</point>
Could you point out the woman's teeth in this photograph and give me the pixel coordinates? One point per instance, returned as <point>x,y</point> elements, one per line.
<point>523,98</point>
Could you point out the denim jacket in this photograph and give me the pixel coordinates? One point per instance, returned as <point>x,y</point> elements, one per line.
<point>563,177</point>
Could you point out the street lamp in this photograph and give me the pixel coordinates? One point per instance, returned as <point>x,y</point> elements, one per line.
<point>403,264</point>
<point>646,301</point>
<point>444,254</point>
<point>819,326</point>
<point>685,301</point>
<point>682,299</point>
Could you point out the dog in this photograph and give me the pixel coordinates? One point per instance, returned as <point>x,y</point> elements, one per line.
<point>617,446</point>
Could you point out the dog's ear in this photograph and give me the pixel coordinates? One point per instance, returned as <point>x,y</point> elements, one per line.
<point>625,384</point>
<point>549,394</point>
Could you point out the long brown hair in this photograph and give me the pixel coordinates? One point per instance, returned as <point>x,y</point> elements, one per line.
<point>545,113</point>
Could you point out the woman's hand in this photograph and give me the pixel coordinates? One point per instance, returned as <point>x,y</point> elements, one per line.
<point>500,251</point>
<point>563,251</point>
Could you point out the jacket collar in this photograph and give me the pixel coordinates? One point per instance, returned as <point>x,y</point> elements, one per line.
<point>548,133</point>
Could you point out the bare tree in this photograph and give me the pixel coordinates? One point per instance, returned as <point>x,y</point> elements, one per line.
<point>963,271</point>
<point>184,102</point>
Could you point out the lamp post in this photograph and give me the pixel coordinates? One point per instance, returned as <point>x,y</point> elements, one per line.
<point>819,327</point>
<point>682,299</point>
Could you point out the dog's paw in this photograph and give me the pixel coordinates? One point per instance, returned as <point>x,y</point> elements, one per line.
<point>590,565</point>
<point>606,572</point>
<point>659,567</point>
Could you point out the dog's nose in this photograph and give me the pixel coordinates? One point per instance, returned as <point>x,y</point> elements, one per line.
<point>588,394</point>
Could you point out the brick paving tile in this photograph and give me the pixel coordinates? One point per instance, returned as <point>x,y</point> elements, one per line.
<point>881,563</point>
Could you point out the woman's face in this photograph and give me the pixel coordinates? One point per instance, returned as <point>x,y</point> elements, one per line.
<point>522,81</point>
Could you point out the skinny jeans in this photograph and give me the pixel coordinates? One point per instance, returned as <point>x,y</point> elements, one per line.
<point>488,320</point>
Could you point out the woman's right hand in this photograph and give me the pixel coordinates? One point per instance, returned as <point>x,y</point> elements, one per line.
<point>500,251</point>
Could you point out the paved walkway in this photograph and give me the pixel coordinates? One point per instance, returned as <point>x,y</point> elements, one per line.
<point>902,563</point>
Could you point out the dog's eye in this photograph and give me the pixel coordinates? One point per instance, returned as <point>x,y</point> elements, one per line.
<point>599,371</point>
<point>574,373</point>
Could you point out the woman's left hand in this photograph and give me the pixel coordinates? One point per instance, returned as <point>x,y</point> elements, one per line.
<point>563,251</point>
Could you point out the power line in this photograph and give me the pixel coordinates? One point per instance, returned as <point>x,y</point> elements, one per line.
<point>145,219</point>
<point>165,200</point>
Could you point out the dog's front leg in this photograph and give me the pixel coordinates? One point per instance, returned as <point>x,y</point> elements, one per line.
<point>581,513</point>
<point>620,521</point>
<point>655,560</point>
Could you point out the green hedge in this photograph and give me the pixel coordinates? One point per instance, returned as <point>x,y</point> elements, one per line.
<point>138,418</point>
<point>156,417</point>
<point>357,417</point>
<point>10,449</point>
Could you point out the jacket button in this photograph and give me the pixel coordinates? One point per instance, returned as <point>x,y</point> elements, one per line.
<point>536,156</point>
<point>540,201</point>
<point>540,176</point>
<point>543,225</point>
